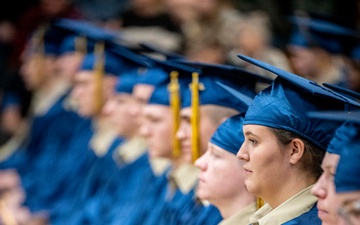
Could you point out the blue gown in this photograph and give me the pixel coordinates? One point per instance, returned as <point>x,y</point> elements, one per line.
<point>310,217</point>
<point>56,156</point>
<point>90,184</point>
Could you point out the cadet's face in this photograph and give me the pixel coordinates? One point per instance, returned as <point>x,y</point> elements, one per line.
<point>68,64</point>
<point>36,69</point>
<point>349,210</point>
<point>141,94</point>
<point>264,162</point>
<point>324,190</point>
<point>116,110</point>
<point>221,175</point>
<point>83,92</point>
<point>206,129</point>
<point>157,128</point>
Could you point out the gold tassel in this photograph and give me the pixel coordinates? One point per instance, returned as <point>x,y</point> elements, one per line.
<point>259,202</point>
<point>174,89</point>
<point>99,73</point>
<point>195,117</point>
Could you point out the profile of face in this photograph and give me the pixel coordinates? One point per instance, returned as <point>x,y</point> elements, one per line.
<point>141,94</point>
<point>156,128</point>
<point>221,176</point>
<point>84,92</point>
<point>349,210</point>
<point>68,64</point>
<point>261,150</point>
<point>302,60</point>
<point>116,110</point>
<point>36,69</point>
<point>206,129</point>
<point>324,190</point>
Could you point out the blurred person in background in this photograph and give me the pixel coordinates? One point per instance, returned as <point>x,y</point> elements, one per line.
<point>254,39</point>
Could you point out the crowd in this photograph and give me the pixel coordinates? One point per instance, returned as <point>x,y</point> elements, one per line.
<point>178,112</point>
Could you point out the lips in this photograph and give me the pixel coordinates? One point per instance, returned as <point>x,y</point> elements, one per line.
<point>322,214</point>
<point>247,171</point>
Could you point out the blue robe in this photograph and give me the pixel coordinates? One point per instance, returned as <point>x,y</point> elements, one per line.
<point>89,185</point>
<point>56,156</point>
<point>310,217</point>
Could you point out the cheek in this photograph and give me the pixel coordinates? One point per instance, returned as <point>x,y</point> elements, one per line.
<point>226,177</point>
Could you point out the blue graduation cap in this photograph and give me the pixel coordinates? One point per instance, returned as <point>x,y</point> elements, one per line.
<point>344,91</point>
<point>45,40</point>
<point>284,105</point>
<point>85,28</point>
<point>117,60</point>
<point>229,135</point>
<point>126,83</point>
<point>161,94</point>
<point>309,32</point>
<point>231,76</point>
<point>72,30</point>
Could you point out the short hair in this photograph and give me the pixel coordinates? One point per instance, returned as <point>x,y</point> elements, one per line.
<point>312,157</point>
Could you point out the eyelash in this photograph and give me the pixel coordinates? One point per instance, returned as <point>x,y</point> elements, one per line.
<point>252,141</point>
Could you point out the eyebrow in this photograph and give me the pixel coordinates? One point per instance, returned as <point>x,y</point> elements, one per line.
<point>250,133</point>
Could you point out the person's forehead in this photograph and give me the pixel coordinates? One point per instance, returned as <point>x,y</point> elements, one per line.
<point>185,112</point>
<point>156,110</point>
<point>84,75</point>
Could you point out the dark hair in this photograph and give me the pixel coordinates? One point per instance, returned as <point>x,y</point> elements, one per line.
<point>312,157</point>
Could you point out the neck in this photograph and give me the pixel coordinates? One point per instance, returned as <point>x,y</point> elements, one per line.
<point>289,187</point>
<point>231,206</point>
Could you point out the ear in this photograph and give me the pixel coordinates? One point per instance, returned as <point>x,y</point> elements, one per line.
<point>297,150</point>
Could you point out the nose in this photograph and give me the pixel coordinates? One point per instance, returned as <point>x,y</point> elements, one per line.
<point>319,189</point>
<point>242,154</point>
<point>144,130</point>
<point>201,163</point>
<point>181,132</point>
<point>108,107</point>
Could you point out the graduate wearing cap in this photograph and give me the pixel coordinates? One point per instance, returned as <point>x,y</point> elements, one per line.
<point>317,47</point>
<point>283,148</point>
<point>43,161</point>
<point>161,119</point>
<point>347,174</point>
<point>124,198</point>
<point>92,89</point>
<point>324,189</point>
<point>221,178</point>
<point>204,107</point>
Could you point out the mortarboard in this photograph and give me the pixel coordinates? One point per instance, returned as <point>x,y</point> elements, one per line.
<point>235,77</point>
<point>81,35</point>
<point>344,91</point>
<point>309,32</point>
<point>284,105</point>
<point>161,94</point>
<point>229,135</point>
